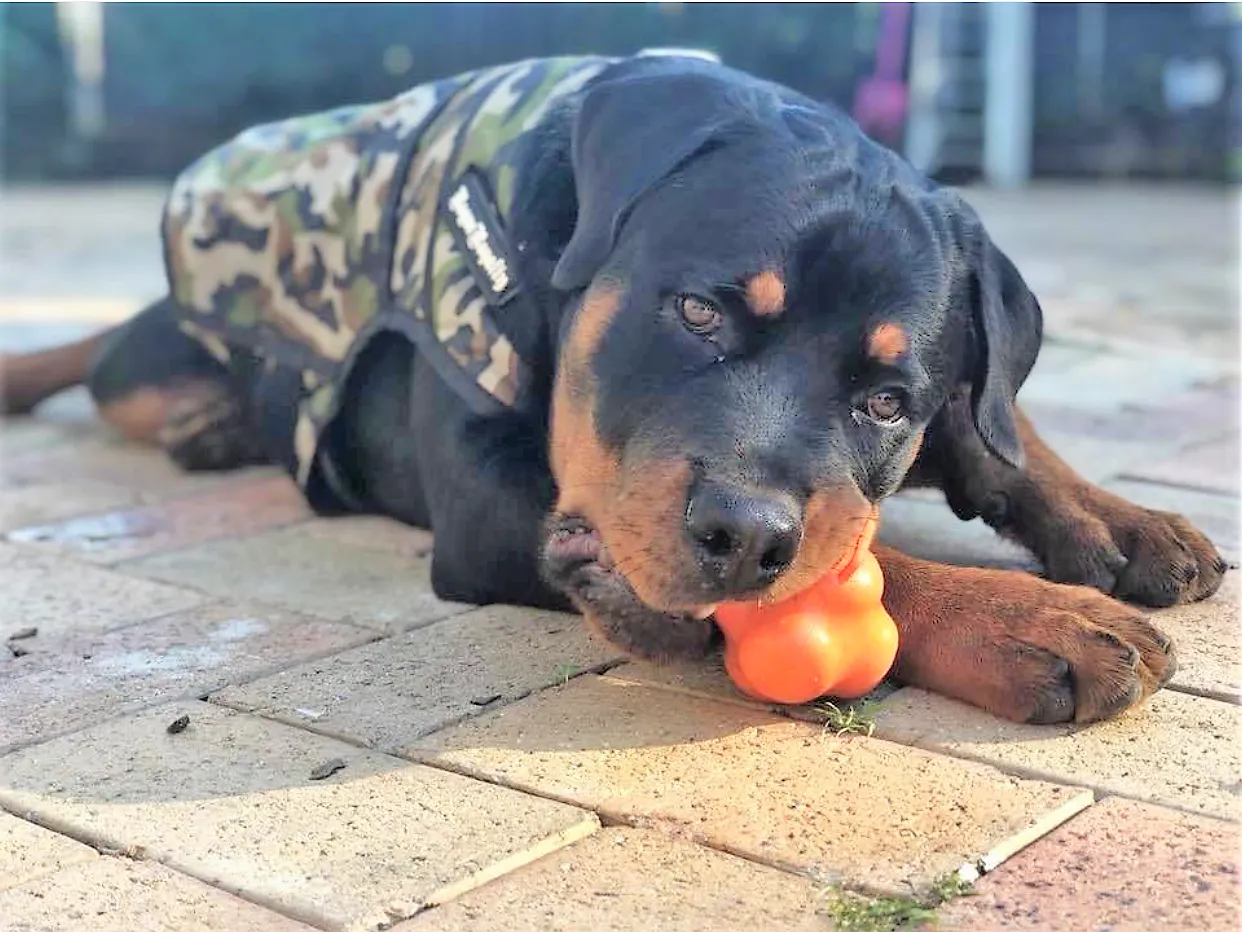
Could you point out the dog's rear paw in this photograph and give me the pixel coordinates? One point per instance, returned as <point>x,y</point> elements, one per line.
<point>210,433</point>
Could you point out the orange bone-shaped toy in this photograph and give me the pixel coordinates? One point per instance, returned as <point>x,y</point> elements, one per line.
<point>835,638</point>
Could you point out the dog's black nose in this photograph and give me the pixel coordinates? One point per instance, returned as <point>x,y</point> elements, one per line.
<point>743,541</point>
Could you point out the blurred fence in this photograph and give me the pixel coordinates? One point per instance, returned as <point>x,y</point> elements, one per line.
<point>181,77</point>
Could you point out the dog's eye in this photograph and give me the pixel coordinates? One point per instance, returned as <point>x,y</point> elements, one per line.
<point>885,406</point>
<point>698,314</point>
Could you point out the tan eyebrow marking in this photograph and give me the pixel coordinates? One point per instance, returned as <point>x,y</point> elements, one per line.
<point>765,294</point>
<point>887,342</point>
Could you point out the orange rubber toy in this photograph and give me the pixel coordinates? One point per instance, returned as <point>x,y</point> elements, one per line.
<point>834,638</point>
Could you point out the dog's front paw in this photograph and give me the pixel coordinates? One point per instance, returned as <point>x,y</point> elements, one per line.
<point>1154,558</point>
<point>1024,648</point>
<point>1081,533</point>
<point>1082,656</point>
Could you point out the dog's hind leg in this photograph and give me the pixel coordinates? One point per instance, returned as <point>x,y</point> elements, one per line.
<point>29,378</point>
<point>156,385</point>
<point>151,382</point>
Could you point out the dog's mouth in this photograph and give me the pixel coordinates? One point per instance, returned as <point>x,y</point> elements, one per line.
<point>573,543</point>
<point>573,547</point>
<point>577,562</point>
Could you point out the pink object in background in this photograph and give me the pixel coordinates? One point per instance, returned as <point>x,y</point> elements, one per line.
<point>881,101</point>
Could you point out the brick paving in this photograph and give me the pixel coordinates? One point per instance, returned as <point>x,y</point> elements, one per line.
<point>361,755</point>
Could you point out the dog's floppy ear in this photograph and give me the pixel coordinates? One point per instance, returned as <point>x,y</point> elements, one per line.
<point>630,133</point>
<point>1008,326</point>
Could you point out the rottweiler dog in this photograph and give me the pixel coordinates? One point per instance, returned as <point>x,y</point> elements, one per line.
<point>746,325</point>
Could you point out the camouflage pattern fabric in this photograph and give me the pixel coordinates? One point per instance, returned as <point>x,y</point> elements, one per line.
<point>297,241</point>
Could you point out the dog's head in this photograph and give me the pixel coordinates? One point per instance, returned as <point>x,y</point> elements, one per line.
<point>770,311</point>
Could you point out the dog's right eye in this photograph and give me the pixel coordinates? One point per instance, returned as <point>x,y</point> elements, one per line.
<point>700,316</point>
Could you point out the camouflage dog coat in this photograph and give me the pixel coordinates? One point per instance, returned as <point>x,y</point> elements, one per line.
<point>296,242</point>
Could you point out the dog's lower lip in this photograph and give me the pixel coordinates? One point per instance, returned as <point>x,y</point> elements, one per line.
<point>577,543</point>
<point>703,612</point>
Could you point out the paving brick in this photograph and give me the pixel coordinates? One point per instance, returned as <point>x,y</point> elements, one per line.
<point>231,801</point>
<point>704,678</point>
<point>106,459</point>
<point>48,502</point>
<point>1097,458</point>
<point>1056,357</point>
<point>624,880</point>
<point>390,693</point>
<point>310,573</point>
<point>19,436</point>
<point>372,532</point>
<point>28,852</point>
<point>770,789</point>
<point>1103,444</point>
<point>1108,381</point>
<point>1209,642</point>
<point>707,678</point>
<point>114,893</point>
<point>1177,749</point>
<point>931,531</point>
<point>1205,410</point>
<point>1214,515</point>
<point>232,510</point>
<point>60,596</point>
<point>75,682</point>
<point>1065,419</point>
<point>1121,866</point>
<point>1202,411</point>
<point>1212,466</point>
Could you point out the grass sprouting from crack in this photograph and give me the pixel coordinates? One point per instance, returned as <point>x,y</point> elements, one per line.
<point>852,912</point>
<point>948,887</point>
<point>563,672</point>
<point>855,912</point>
<point>855,719</point>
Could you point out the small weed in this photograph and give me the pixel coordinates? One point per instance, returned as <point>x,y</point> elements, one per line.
<point>856,719</point>
<point>948,887</point>
<point>564,671</point>
<point>855,912</point>
<point>852,912</point>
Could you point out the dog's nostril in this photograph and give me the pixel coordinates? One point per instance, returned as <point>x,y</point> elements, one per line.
<point>777,558</point>
<point>717,543</point>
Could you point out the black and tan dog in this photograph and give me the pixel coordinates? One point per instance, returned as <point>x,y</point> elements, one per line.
<point>640,336</point>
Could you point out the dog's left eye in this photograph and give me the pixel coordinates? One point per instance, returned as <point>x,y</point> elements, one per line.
<point>700,315</point>
<point>886,406</point>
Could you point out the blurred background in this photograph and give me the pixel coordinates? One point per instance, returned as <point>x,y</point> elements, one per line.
<point>1100,141</point>
<point>1001,91</point>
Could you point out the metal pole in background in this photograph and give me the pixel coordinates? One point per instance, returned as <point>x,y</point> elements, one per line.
<point>923,130</point>
<point>1008,112</point>
<point>81,31</point>
<point>3,97</point>
<point>1092,45</point>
